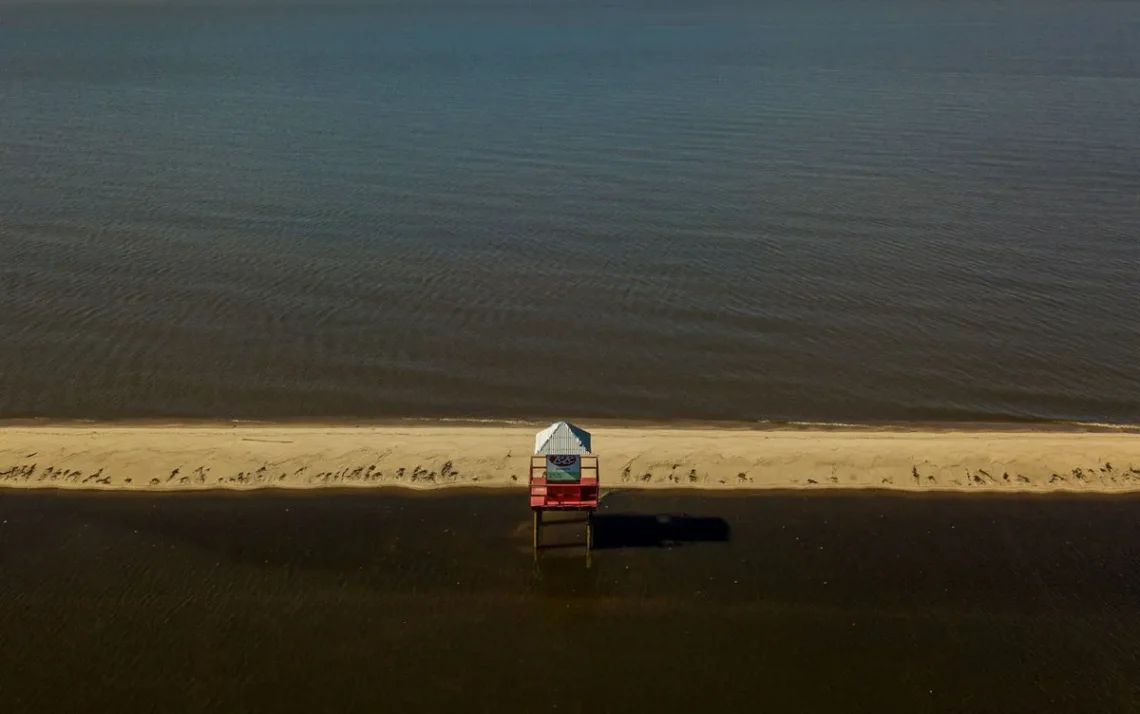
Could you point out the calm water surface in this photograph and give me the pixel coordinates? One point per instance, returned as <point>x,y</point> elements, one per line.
<point>711,210</point>
<point>381,602</point>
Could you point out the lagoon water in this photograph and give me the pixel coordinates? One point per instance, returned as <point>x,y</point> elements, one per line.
<point>379,601</point>
<point>817,210</point>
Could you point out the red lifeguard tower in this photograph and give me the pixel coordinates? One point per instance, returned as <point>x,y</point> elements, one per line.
<point>563,476</point>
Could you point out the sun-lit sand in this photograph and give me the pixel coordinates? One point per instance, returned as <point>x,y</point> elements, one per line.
<point>185,457</point>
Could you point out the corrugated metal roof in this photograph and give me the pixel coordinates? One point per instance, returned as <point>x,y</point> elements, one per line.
<point>562,438</point>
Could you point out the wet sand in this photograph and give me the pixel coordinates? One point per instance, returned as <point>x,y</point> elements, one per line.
<point>402,601</point>
<point>432,455</point>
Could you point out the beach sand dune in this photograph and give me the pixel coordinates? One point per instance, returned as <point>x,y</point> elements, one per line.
<point>240,456</point>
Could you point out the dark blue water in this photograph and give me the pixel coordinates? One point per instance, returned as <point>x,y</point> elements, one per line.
<point>713,210</point>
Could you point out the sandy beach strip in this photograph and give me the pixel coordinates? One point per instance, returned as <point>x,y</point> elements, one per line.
<point>178,457</point>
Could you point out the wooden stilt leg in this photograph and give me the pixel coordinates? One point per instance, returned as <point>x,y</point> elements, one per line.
<point>589,530</point>
<point>537,528</point>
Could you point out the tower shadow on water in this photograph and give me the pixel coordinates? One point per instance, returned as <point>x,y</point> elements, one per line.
<point>638,530</point>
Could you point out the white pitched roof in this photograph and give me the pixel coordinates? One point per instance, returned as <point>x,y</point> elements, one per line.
<point>562,437</point>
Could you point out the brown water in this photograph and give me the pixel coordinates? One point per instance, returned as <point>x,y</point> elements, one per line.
<point>395,602</point>
<point>822,210</point>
